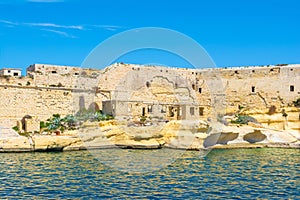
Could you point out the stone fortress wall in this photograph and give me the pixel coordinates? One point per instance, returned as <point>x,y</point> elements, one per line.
<point>46,90</point>
<point>50,89</point>
<point>254,88</point>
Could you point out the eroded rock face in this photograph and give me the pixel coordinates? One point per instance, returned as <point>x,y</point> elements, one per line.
<point>120,136</point>
<point>255,137</point>
<point>185,134</point>
<point>11,141</point>
<point>52,143</point>
<point>6,132</point>
<point>220,138</point>
<point>274,136</point>
<point>15,144</point>
<point>192,135</point>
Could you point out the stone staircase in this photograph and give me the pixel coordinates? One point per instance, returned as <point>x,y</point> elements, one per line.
<point>6,132</point>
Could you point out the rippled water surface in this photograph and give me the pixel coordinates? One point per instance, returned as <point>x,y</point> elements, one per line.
<point>246,174</point>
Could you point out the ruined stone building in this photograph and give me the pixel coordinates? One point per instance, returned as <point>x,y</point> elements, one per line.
<point>129,91</point>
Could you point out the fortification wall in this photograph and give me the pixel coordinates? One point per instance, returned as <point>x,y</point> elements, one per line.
<point>41,96</point>
<point>255,88</point>
<point>43,93</point>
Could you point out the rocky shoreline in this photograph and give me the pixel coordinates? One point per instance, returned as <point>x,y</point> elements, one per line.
<point>189,135</point>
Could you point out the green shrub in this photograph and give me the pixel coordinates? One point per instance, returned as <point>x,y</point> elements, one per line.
<point>52,124</point>
<point>84,114</point>
<point>15,128</point>
<point>244,119</point>
<point>70,122</point>
<point>297,103</point>
<point>143,119</point>
<point>91,115</point>
<point>43,125</point>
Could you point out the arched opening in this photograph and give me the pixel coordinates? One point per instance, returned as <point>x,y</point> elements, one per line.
<point>94,107</point>
<point>81,103</point>
<point>23,121</point>
<point>148,84</point>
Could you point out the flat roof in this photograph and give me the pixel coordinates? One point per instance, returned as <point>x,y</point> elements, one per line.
<point>11,69</point>
<point>53,65</point>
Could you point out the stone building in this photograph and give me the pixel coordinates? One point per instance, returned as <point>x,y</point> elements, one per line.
<point>10,72</point>
<point>173,93</point>
<point>136,91</point>
<point>129,91</point>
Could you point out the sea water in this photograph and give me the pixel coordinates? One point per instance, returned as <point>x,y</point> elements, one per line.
<point>227,174</point>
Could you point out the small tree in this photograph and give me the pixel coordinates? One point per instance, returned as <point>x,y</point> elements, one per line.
<point>244,119</point>
<point>297,103</point>
<point>143,119</point>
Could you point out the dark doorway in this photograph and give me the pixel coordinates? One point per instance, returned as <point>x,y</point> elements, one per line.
<point>192,111</point>
<point>144,111</point>
<point>149,109</point>
<point>201,111</point>
<point>23,121</point>
<point>81,103</point>
<point>171,112</point>
<point>94,107</point>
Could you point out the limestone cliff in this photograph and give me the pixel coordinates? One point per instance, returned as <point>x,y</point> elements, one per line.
<point>189,135</point>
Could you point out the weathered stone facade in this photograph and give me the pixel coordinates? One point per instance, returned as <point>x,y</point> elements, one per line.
<point>129,91</point>
<point>254,90</point>
<point>43,93</point>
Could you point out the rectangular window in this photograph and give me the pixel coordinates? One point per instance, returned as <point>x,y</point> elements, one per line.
<point>143,111</point>
<point>149,109</point>
<point>292,88</point>
<point>192,110</point>
<point>200,90</point>
<point>253,89</point>
<point>16,74</point>
<point>201,111</point>
<point>53,72</point>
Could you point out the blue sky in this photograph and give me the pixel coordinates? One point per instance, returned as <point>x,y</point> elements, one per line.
<point>233,32</point>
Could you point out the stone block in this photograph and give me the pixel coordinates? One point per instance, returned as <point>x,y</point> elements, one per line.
<point>32,124</point>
